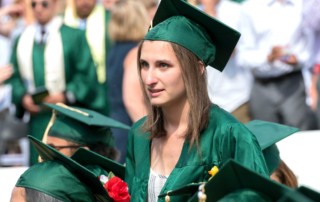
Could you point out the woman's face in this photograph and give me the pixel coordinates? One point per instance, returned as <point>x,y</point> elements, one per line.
<point>161,74</point>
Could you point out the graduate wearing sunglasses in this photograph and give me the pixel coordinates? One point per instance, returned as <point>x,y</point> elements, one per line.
<point>72,127</point>
<point>52,63</point>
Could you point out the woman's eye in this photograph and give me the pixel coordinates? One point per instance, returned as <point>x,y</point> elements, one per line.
<point>143,64</point>
<point>164,65</point>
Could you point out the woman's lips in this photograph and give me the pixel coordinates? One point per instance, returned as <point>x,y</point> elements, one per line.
<point>155,92</point>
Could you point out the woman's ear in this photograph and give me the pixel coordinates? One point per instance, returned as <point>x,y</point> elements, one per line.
<point>201,67</point>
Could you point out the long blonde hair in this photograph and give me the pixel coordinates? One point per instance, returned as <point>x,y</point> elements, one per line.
<point>129,21</point>
<point>196,88</point>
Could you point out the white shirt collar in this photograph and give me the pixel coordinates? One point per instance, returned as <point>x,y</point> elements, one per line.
<point>49,28</point>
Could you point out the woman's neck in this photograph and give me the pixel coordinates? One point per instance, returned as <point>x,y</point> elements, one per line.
<point>165,151</point>
<point>176,118</point>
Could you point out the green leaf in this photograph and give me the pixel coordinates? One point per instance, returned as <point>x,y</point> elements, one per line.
<point>110,175</point>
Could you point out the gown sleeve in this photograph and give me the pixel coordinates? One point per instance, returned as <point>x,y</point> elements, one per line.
<point>243,147</point>
<point>130,161</point>
<point>84,83</point>
<point>18,88</point>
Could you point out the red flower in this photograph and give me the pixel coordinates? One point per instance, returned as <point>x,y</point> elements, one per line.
<point>117,189</point>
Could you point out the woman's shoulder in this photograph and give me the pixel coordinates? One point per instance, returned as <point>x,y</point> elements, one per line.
<point>137,127</point>
<point>219,115</point>
<point>139,123</point>
<point>223,122</point>
<point>138,136</point>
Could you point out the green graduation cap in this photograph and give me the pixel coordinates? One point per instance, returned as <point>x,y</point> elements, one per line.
<point>268,134</point>
<point>233,182</point>
<point>310,193</point>
<point>245,195</point>
<point>83,126</point>
<point>87,157</point>
<point>187,190</point>
<point>272,158</point>
<point>85,165</point>
<point>295,196</point>
<point>44,177</point>
<point>179,22</point>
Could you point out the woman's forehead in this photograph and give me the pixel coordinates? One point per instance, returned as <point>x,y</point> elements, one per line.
<point>156,49</point>
<point>157,44</point>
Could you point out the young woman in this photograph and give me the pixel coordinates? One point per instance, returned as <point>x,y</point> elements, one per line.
<point>184,135</point>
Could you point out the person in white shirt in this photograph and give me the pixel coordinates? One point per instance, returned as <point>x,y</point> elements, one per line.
<point>311,20</point>
<point>276,51</point>
<point>9,15</point>
<point>231,88</point>
<point>5,90</point>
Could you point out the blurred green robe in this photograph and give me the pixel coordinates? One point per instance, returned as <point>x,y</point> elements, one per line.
<point>224,138</point>
<point>80,79</point>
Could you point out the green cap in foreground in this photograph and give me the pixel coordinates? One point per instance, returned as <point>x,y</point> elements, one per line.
<point>54,179</point>
<point>234,183</point>
<point>179,22</point>
<point>82,126</point>
<point>268,134</point>
<point>310,193</point>
<point>85,165</point>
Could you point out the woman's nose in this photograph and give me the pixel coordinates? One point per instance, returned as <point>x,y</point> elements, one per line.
<point>150,77</point>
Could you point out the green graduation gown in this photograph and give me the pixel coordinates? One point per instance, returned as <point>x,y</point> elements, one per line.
<point>80,77</point>
<point>224,138</point>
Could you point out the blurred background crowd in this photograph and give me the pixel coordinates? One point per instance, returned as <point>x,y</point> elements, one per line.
<point>91,62</point>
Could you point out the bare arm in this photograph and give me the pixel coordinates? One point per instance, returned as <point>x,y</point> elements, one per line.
<point>313,90</point>
<point>5,73</point>
<point>132,92</point>
<point>18,194</point>
<point>8,16</point>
